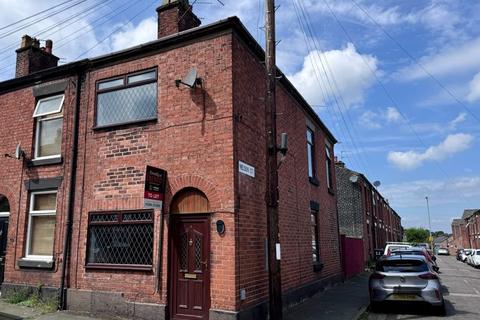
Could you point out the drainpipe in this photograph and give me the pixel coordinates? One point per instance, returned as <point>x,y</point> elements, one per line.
<point>71,194</point>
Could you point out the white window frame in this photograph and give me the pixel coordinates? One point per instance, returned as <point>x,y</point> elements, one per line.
<point>60,106</point>
<point>46,117</point>
<point>38,213</point>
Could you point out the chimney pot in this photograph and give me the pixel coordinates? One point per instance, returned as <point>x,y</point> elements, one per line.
<point>31,58</point>
<point>26,41</point>
<point>48,46</point>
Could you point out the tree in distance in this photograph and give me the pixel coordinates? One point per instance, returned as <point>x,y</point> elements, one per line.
<point>417,235</point>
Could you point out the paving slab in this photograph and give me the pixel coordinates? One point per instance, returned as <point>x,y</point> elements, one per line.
<point>346,301</point>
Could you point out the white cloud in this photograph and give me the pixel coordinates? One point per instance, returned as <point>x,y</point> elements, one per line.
<point>459,119</point>
<point>460,59</point>
<point>393,115</point>
<point>369,120</point>
<point>474,93</point>
<point>409,160</point>
<point>375,120</point>
<point>412,193</point>
<point>346,70</point>
<point>131,35</point>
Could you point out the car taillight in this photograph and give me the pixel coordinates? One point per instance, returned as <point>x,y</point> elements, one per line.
<point>428,276</point>
<point>377,276</point>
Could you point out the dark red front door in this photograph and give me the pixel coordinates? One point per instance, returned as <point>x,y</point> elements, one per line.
<point>3,245</point>
<point>190,281</point>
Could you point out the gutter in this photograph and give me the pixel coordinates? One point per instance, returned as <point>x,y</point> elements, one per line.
<point>71,194</point>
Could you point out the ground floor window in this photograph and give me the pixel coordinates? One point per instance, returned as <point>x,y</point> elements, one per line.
<point>120,240</point>
<point>314,232</point>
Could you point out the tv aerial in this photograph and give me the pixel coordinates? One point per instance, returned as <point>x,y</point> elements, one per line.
<point>191,80</point>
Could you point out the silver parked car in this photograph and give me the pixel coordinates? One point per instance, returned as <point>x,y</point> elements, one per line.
<point>406,278</point>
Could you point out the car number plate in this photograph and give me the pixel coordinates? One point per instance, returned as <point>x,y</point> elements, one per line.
<point>404,297</point>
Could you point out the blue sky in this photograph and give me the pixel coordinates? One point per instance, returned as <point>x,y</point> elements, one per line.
<point>395,81</point>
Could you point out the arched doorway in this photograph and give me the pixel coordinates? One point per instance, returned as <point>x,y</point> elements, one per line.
<point>4,215</point>
<point>189,255</point>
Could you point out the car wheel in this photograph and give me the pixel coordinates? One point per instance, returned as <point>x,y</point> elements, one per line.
<point>440,311</point>
<point>374,306</point>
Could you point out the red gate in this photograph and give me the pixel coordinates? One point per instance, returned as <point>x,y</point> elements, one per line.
<point>353,260</point>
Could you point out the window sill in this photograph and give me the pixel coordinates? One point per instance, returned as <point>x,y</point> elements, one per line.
<point>45,161</point>
<point>126,267</point>
<point>317,267</point>
<point>123,124</point>
<point>314,181</point>
<point>35,264</point>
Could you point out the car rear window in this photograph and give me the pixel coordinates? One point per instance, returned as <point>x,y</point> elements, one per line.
<point>401,266</point>
<point>404,252</point>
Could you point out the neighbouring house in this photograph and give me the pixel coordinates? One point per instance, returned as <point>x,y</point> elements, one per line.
<point>466,231</point>
<point>93,136</point>
<point>472,218</point>
<point>459,234</point>
<point>364,214</point>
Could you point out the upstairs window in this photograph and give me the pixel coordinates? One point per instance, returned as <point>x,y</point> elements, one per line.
<point>310,153</point>
<point>127,99</point>
<point>49,122</point>
<point>328,165</point>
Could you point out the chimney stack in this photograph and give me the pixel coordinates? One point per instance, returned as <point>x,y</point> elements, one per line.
<point>31,58</point>
<point>175,16</point>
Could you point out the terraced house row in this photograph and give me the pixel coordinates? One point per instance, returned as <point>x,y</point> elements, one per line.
<point>129,188</point>
<point>466,230</point>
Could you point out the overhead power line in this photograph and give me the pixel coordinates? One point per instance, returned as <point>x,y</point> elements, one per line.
<point>8,33</point>
<point>304,21</point>
<point>34,15</point>
<point>384,88</point>
<point>418,63</point>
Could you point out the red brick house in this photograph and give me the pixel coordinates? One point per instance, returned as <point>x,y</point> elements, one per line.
<point>364,213</point>
<point>459,234</point>
<point>473,228</point>
<point>74,200</point>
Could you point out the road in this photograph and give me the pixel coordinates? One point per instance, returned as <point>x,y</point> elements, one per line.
<point>461,291</point>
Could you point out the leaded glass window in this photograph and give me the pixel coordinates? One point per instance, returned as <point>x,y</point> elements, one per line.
<point>120,239</point>
<point>131,98</point>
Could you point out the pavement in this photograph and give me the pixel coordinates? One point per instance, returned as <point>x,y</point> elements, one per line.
<point>346,301</point>
<point>16,312</point>
<point>461,292</point>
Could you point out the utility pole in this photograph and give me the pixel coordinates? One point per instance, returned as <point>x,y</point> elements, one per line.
<point>429,223</point>
<point>274,274</point>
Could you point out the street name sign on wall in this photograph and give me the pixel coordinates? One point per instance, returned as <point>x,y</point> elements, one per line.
<point>246,169</point>
<point>155,181</point>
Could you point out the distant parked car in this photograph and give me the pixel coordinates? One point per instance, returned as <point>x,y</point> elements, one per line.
<point>475,258</point>
<point>405,278</point>
<point>443,251</point>
<point>465,254</point>
<point>470,257</point>
<point>392,246</point>
<point>418,251</point>
<point>459,254</point>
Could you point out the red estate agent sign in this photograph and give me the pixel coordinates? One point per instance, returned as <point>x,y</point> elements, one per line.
<point>155,180</point>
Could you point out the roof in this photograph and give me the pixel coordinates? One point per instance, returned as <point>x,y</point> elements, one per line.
<point>440,239</point>
<point>457,222</point>
<point>467,213</point>
<point>163,44</point>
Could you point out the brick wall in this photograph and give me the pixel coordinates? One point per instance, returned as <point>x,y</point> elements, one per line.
<point>18,127</point>
<point>295,190</point>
